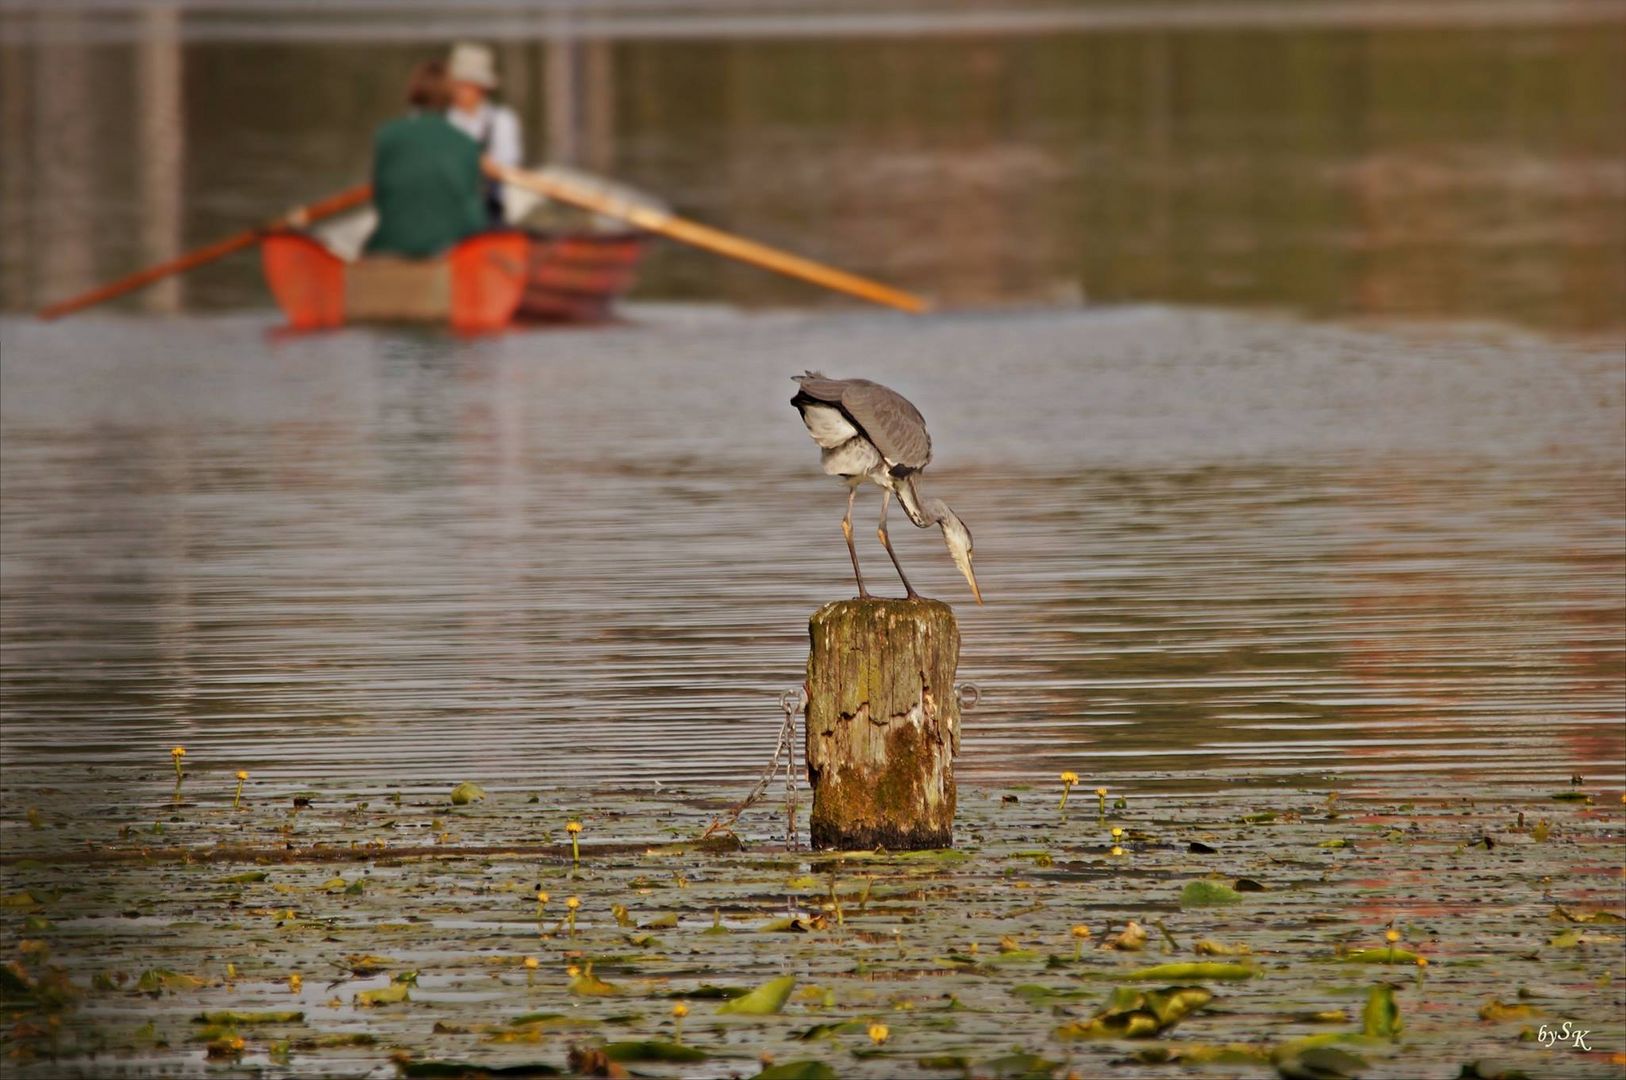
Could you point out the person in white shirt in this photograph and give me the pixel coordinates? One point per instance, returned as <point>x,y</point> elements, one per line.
<point>473,74</point>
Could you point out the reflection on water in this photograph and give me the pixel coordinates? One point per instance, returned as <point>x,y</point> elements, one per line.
<point>1219,153</point>
<point>1215,548</point>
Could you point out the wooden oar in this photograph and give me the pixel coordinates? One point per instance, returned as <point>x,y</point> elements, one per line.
<point>658,220</point>
<point>344,200</point>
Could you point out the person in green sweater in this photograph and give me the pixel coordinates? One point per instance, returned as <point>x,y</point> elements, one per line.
<point>427,184</point>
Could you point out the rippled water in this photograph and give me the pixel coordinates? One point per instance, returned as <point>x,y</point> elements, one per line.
<point>1216,548</point>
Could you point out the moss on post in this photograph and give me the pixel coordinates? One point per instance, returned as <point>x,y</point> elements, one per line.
<point>883,724</point>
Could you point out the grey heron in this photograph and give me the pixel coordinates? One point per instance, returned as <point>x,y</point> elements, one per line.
<point>869,432</point>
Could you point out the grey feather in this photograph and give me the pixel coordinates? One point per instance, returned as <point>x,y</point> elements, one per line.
<point>884,416</point>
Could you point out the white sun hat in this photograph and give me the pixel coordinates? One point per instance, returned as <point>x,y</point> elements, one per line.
<point>473,64</point>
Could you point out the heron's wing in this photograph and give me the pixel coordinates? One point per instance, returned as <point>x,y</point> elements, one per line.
<point>894,425</point>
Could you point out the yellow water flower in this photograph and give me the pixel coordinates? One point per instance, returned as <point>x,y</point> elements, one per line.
<point>878,1034</point>
<point>572,904</point>
<point>1116,850</point>
<point>237,797</point>
<point>242,774</point>
<point>1080,932</point>
<point>573,827</point>
<point>295,983</point>
<point>1391,936</point>
<point>1068,779</point>
<point>531,963</point>
<point>680,1010</point>
<point>175,755</point>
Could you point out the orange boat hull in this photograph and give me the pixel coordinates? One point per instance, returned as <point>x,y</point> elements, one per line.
<point>577,277</point>
<point>482,284</point>
<point>475,287</point>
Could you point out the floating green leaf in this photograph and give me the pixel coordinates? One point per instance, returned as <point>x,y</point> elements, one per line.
<point>393,994</point>
<point>652,1050</point>
<point>244,878</point>
<point>1381,1016</point>
<point>586,984</point>
<point>1499,1012</point>
<point>1316,1062</point>
<point>1137,1014</point>
<point>159,979</point>
<point>1205,893</point>
<point>1387,954</point>
<point>765,1000</point>
<point>797,1070</point>
<point>466,793</point>
<point>463,1070</point>
<point>1199,970</point>
<point>234,1016</point>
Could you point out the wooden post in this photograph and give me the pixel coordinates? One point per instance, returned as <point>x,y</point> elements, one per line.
<point>883,724</point>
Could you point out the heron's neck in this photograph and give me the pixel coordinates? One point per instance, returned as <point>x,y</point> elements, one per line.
<point>922,510</point>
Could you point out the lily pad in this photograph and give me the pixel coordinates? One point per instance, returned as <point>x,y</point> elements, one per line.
<point>466,793</point>
<point>1205,893</point>
<point>652,1050</point>
<point>1381,1016</point>
<point>464,1070</point>
<point>797,1070</point>
<point>234,1017</point>
<point>1200,970</point>
<point>765,1000</point>
<point>393,994</point>
<point>1138,1014</point>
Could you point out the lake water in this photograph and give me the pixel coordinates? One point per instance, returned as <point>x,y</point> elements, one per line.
<point>1278,375</point>
<point>1216,548</point>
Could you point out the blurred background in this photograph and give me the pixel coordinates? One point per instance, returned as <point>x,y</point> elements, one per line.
<point>1333,157</point>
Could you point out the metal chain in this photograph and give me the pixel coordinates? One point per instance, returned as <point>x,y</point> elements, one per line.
<point>791,701</point>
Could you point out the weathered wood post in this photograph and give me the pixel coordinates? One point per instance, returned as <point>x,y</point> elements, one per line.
<point>883,724</point>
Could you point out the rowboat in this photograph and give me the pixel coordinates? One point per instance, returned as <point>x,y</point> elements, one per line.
<point>551,263</point>
<point>482,284</point>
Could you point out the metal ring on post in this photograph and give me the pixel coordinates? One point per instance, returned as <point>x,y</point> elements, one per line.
<point>967,695</point>
<point>794,699</point>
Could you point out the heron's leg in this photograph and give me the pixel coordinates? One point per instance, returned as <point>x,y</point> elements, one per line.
<point>847,531</point>
<point>886,542</point>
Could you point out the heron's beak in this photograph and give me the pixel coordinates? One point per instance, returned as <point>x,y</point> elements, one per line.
<point>962,559</point>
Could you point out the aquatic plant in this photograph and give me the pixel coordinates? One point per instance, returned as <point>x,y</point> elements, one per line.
<point>574,828</point>
<point>879,1033</point>
<point>679,1011</point>
<point>1117,838</point>
<point>531,963</point>
<point>541,903</point>
<point>1080,933</point>
<point>1068,779</point>
<point>237,796</point>
<point>1101,808</point>
<point>571,905</point>
<point>296,982</point>
<point>176,754</point>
